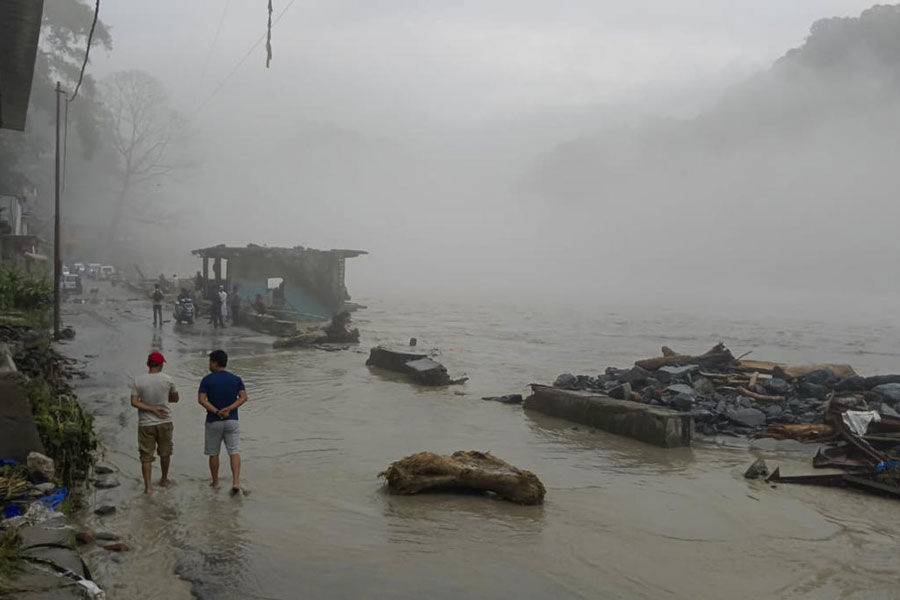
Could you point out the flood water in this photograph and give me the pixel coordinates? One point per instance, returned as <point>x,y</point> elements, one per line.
<point>621,519</point>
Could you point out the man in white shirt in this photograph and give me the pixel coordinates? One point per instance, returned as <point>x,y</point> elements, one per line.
<point>150,393</point>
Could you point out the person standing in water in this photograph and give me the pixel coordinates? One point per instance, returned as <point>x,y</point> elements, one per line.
<point>150,393</point>
<point>223,306</point>
<point>221,393</point>
<point>158,296</point>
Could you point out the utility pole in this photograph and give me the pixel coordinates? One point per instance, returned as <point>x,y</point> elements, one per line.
<point>57,254</point>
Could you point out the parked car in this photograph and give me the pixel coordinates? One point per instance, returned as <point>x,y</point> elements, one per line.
<point>107,272</point>
<point>65,270</point>
<point>79,268</point>
<point>93,270</point>
<point>71,284</point>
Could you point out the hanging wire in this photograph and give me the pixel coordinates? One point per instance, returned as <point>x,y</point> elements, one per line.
<point>87,52</point>
<point>234,69</point>
<point>269,38</point>
<point>214,42</point>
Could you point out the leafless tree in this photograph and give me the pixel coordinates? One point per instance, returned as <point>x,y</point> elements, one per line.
<point>147,136</point>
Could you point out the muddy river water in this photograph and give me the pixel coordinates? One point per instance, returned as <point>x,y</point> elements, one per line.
<point>621,519</point>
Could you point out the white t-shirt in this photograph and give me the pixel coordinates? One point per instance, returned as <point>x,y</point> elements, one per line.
<point>154,389</point>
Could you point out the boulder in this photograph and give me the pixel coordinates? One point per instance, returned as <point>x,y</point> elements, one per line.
<point>683,402</point>
<point>621,392</point>
<point>106,482</point>
<point>887,411</point>
<point>777,386</point>
<point>747,417</point>
<point>814,390</point>
<point>851,384</point>
<point>821,377</point>
<point>681,388</point>
<point>890,391</point>
<point>566,380</point>
<point>876,380</point>
<point>758,470</point>
<point>636,376</point>
<point>671,373</point>
<point>704,386</point>
<point>42,464</point>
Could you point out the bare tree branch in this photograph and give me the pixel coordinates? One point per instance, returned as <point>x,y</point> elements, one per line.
<point>147,135</point>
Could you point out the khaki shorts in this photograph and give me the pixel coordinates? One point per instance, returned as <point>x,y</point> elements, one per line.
<point>155,437</point>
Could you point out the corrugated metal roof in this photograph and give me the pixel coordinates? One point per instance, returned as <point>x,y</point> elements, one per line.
<point>20,28</point>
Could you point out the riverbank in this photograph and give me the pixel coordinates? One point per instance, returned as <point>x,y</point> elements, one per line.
<point>320,426</point>
<point>47,446</point>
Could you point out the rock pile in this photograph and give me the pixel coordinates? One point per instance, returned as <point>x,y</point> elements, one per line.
<point>733,397</point>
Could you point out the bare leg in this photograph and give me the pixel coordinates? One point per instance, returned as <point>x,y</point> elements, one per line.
<point>214,470</point>
<point>235,471</point>
<point>164,463</point>
<point>146,468</point>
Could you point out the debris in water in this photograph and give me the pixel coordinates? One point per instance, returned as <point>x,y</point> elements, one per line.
<point>472,470</point>
<point>419,367</point>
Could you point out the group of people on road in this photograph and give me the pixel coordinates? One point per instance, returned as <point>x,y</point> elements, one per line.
<point>222,305</point>
<point>220,393</point>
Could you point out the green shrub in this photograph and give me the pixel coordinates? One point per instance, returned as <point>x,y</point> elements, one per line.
<point>66,430</point>
<point>23,291</point>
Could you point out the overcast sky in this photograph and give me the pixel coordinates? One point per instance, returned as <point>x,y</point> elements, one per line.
<point>403,128</point>
<point>453,60</point>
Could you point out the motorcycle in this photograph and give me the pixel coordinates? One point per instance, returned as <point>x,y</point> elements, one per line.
<point>184,311</point>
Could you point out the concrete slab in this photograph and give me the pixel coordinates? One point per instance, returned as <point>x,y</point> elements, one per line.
<point>657,426</point>
<point>18,433</point>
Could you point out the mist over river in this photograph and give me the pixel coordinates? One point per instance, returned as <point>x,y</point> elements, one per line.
<point>621,519</point>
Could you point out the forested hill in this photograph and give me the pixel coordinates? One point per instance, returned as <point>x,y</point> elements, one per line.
<point>827,104</point>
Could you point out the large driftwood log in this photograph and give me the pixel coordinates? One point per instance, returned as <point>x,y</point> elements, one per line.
<point>792,372</point>
<point>718,355</point>
<point>336,331</point>
<point>479,471</point>
<point>801,433</point>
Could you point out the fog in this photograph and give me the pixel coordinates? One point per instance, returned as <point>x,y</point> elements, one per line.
<point>594,152</point>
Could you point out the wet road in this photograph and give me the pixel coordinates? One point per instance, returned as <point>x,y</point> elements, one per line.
<point>622,519</point>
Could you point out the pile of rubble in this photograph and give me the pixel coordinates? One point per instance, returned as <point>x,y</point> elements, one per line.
<point>729,396</point>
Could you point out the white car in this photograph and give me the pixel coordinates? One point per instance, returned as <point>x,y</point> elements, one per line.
<point>107,272</point>
<point>65,270</point>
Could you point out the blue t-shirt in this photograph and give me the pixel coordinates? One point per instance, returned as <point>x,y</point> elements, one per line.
<point>221,389</point>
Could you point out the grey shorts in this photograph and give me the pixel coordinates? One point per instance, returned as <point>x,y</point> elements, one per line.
<point>217,431</point>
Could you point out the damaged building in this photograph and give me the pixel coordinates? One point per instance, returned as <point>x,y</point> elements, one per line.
<point>298,284</point>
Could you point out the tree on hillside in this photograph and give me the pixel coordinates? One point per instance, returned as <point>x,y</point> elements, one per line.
<point>146,133</point>
<point>26,158</point>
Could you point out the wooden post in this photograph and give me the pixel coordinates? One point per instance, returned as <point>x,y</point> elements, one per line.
<point>57,255</point>
<point>205,276</point>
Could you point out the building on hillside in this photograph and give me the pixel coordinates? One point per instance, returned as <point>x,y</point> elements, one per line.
<point>299,284</point>
<point>18,248</point>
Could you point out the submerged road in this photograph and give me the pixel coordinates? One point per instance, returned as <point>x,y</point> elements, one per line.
<point>621,519</point>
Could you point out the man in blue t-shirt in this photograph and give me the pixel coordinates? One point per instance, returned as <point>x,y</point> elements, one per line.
<point>221,393</point>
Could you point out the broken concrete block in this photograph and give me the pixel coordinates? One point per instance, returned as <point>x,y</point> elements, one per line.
<point>758,470</point>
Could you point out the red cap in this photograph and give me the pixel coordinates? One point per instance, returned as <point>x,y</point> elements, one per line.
<point>156,358</point>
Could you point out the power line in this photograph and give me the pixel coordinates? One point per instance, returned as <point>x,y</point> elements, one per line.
<point>87,51</point>
<point>255,45</point>
<point>215,41</point>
